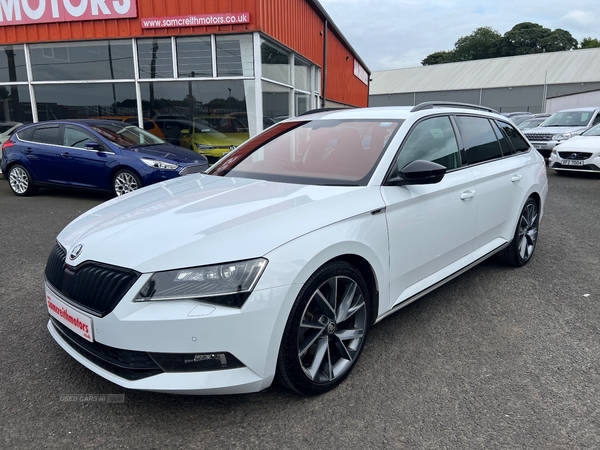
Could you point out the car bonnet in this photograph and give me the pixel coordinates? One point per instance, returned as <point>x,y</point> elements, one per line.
<point>201,219</point>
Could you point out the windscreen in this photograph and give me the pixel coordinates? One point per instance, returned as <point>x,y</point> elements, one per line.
<point>569,119</point>
<point>322,152</point>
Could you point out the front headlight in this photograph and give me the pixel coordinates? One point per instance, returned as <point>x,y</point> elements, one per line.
<point>159,164</point>
<point>561,137</point>
<point>225,284</point>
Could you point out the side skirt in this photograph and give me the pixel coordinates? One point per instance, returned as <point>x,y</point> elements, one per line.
<point>433,287</point>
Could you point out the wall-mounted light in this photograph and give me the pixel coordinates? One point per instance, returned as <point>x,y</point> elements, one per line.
<point>347,58</point>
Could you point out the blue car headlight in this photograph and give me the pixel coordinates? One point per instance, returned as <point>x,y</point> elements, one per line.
<point>226,284</point>
<point>159,164</point>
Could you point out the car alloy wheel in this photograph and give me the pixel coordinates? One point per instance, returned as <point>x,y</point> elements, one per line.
<point>20,180</point>
<point>125,181</point>
<point>520,250</point>
<point>326,330</point>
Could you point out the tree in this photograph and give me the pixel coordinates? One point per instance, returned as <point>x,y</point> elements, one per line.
<point>559,40</point>
<point>481,44</point>
<point>439,58</point>
<point>588,42</point>
<point>524,38</point>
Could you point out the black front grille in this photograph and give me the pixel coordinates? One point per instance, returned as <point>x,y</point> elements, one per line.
<point>193,169</point>
<point>128,364</point>
<point>97,288</point>
<point>538,136</point>
<point>574,155</point>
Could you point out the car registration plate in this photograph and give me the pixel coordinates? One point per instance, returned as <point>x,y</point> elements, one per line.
<point>572,162</point>
<point>75,321</point>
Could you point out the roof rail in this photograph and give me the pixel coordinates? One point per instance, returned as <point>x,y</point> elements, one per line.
<point>431,105</point>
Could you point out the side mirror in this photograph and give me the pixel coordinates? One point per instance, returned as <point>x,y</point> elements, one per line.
<point>184,133</point>
<point>417,172</point>
<point>92,145</point>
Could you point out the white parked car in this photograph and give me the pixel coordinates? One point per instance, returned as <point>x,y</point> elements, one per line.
<point>562,126</point>
<point>280,259</point>
<point>6,129</point>
<point>578,154</point>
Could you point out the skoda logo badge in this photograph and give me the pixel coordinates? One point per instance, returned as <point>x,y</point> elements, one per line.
<point>573,155</point>
<point>76,252</point>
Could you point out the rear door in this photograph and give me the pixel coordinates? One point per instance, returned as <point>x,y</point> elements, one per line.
<point>42,152</point>
<point>498,171</point>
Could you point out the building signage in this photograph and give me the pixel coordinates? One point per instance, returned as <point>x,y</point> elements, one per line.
<point>22,12</point>
<point>359,72</point>
<point>196,20</point>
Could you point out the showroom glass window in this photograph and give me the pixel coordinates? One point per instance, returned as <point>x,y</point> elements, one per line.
<point>235,56</point>
<point>276,100</point>
<point>215,103</point>
<point>194,57</point>
<point>15,104</point>
<point>97,60</point>
<point>67,101</point>
<point>155,58</point>
<point>275,63</point>
<point>479,139</point>
<point>431,140</point>
<point>12,64</point>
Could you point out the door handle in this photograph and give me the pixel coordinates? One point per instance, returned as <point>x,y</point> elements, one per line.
<point>65,154</point>
<point>467,195</point>
<point>29,150</point>
<point>516,178</point>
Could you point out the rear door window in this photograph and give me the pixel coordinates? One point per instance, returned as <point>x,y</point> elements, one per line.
<point>47,134</point>
<point>478,138</point>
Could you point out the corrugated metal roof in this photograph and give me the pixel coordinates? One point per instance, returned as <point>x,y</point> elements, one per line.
<point>577,66</point>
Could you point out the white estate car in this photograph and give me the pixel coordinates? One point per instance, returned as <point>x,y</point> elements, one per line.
<point>280,259</point>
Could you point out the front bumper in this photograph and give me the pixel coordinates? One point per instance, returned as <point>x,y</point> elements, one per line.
<point>132,331</point>
<point>591,164</point>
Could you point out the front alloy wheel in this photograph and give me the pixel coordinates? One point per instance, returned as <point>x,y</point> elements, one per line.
<point>124,182</point>
<point>326,330</point>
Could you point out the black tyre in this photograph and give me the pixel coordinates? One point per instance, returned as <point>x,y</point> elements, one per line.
<point>326,330</point>
<point>20,181</point>
<point>520,250</point>
<point>125,181</point>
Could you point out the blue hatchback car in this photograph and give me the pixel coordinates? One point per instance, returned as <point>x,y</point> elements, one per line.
<point>93,154</point>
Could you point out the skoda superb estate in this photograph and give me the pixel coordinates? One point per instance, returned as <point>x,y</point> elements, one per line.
<point>279,261</point>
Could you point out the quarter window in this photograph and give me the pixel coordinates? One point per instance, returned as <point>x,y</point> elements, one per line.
<point>479,139</point>
<point>514,137</point>
<point>431,140</point>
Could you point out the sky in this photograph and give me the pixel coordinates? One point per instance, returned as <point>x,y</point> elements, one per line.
<point>393,34</point>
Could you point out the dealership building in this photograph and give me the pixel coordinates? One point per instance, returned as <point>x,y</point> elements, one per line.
<point>259,59</point>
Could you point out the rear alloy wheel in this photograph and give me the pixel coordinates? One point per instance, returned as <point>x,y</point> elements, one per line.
<point>20,181</point>
<point>520,250</point>
<point>326,330</point>
<point>125,181</point>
